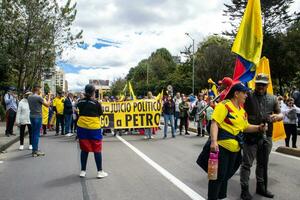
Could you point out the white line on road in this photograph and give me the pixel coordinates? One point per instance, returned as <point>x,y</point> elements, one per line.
<point>187,190</point>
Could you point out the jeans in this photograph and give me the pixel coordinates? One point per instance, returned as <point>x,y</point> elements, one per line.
<point>176,116</point>
<point>98,159</point>
<point>68,122</point>
<point>36,124</point>
<point>148,132</point>
<point>168,118</point>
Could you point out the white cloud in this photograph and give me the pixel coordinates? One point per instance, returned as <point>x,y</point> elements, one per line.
<point>141,27</point>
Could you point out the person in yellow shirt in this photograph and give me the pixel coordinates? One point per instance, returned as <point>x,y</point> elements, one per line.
<point>58,106</point>
<point>45,115</point>
<point>229,121</point>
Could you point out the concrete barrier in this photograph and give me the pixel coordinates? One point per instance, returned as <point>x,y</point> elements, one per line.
<point>289,151</point>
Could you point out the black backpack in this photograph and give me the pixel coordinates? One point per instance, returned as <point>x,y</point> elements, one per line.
<point>3,102</point>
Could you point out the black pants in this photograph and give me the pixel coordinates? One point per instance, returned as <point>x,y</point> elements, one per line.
<point>98,159</point>
<point>217,189</point>
<point>60,121</point>
<point>290,129</point>
<point>22,133</point>
<point>183,122</point>
<point>44,129</point>
<point>10,121</point>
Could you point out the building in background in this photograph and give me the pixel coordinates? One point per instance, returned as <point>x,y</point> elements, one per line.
<point>102,87</point>
<point>60,78</point>
<point>66,89</point>
<point>55,78</point>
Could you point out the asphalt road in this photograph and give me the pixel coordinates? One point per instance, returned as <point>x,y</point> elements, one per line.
<point>157,169</point>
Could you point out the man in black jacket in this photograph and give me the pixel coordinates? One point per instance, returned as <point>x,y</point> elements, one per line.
<point>261,107</point>
<point>68,111</point>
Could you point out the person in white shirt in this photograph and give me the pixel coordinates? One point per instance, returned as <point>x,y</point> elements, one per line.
<point>23,120</point>
<point>290,121</point>
<point>177,100</point>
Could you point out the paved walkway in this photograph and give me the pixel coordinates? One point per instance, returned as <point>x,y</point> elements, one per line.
<point>7,141</point>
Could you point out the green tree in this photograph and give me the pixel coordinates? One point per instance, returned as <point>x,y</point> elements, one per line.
<point>275,13</point>
<point>34,34</point>
<point>117,86</point>
<point>213,60</point>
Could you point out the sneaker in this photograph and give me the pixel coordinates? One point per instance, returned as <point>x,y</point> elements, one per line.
<point>40,153</point>
<point>30,147</point>
<point>21,147</point>
<point>145,137</point>
<point>34,154</point>
<point>152,137</point>
<point>82,174</point>
<point>68,134</point>
<point>101,174</point>
<point>56,134</point>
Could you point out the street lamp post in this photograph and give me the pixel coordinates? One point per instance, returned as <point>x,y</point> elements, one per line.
<point>193,76</point>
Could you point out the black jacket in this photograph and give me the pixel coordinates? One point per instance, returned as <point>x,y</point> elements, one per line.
<point>68,108</point>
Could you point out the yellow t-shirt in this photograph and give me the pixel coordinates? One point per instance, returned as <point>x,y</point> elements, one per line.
<point>59,104</point>
<point>232,120</point>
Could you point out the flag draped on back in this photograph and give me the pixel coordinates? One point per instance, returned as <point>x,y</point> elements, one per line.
<point>248,42</point>
<point>264,67</point>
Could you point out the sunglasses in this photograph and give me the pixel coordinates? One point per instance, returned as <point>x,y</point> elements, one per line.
<point>261,84</point>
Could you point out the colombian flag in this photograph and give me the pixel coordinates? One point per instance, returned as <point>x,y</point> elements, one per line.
<point>248,42</point>
<point>89,134</point>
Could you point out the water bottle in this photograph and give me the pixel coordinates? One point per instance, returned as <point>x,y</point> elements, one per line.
<point>213,161</point>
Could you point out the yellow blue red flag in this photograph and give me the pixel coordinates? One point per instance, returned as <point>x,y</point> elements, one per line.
<point>248,42</point>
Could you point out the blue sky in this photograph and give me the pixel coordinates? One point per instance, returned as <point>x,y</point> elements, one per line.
<point>117,34</point>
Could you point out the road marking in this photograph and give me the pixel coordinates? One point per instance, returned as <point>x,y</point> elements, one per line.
<point>284,155</point>
<point>183,187</point>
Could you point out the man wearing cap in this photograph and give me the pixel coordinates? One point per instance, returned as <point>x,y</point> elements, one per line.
<point>11,102</point>
<point>261,108</point>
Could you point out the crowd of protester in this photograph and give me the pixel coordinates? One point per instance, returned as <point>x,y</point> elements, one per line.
<point>224,120</point>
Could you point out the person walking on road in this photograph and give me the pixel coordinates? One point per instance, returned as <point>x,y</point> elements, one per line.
<point>290,122</point>
<point>184,115</point>
<point>45,114</point>
<point>58,105</point>
<point>89,130</point>
<point>177,101</point>
<point>35,102</point>
<point>68,111</point>
<point>168,112</point>
<point>23,120</point>
<point>261,107</point>
<point>11,104</point>
<point>229,121</point>
<point>199,117</point>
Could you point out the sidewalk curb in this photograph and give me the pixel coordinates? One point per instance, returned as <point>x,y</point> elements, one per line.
<point>9,143</point>
<point>189,129</point>
<point>289,151</point>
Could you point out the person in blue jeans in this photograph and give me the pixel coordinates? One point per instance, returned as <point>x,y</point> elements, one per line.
<point>168,112</point>
<point>35,102</point>
<point>68,112</point>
